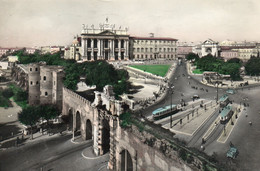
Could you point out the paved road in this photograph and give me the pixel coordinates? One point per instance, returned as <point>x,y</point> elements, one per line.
<point>245,137</point>
<point>57,153</point>
<point>196,139</point>
<point>182,85</point>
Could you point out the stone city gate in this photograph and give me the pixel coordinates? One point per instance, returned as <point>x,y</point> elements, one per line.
<point>89,122</point>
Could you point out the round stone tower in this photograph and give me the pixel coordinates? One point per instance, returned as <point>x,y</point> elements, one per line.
<point>46,84</point>
<point>34,84</point>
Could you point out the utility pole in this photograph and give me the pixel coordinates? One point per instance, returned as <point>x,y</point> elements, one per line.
<point>171,89</point>
<point>217,87</point>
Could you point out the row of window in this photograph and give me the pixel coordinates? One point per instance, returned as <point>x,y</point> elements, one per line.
<point>152,56</point>
<point>36,69</point>
<point>151,49</point>
<point>154,41</point>
<point>106,42</point>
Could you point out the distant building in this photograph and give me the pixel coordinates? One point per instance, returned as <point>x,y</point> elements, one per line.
<point>30,50</point>
<point>209,47</point>
<point>197,50</point>
<point>50,49</point>
<point>242,52</point>
<point>183,50</point>
<point>144,48</point>
<point>7,51</point>
<point>12,58</point>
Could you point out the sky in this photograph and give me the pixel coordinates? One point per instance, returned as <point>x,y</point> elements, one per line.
<point>29,23</point>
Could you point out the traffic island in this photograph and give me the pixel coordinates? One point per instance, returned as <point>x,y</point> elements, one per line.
<point>193,121</point>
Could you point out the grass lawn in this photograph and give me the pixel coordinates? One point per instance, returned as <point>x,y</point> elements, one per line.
<point>197,71</point>
<point>160,70</point>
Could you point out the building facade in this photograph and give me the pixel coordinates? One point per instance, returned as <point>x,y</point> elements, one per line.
<point>103,43</point>
<point>110,43</point>
<point>209,47</point>
<point>143,48</point>
<point>183,50</point>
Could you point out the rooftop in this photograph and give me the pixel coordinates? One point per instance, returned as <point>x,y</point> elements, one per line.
<point>223,98</point>
<point>155,38</point>
<point>163,109</point>
<point>225,111</point>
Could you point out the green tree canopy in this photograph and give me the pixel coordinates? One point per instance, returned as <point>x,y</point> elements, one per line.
<point>29,116</point>
<point>211,63</point>
<point>98,73</point>
<point>192,56</point>
<point>7,93</point>
<point>48,111</point>
<point>252,67</point>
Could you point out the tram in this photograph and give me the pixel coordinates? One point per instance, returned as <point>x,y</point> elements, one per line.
<point>165,111</point>
<point>226,114</point>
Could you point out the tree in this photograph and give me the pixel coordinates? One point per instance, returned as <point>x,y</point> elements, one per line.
<point>234,60</point>
<point>48,112</point>
<point>252,67</point>
<point>20,95</point>
<point>192,56</point>
<point>7,93</point>
<point>29,116</point>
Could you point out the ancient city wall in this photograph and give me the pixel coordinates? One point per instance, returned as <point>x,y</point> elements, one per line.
<point>148,153</point>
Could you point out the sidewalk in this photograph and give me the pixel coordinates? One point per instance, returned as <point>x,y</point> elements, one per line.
<point>152,84</point>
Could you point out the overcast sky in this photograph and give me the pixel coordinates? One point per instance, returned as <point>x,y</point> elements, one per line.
<point>55,22</point>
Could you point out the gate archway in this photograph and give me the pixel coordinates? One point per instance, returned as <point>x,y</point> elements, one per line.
<point>78,124</point>
<point>105,136</point>
<point>126,161</point>
<point>70,119</point>
<point>88,130</point>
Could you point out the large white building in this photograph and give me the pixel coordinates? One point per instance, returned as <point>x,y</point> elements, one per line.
<point>105,42</point>
<point>110,43</point>
<point>143,48</point>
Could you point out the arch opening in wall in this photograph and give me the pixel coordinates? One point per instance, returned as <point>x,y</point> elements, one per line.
<point>78,124</point>
<point>88,130</point>
<point>70,120</point>
<point>105,136</point>
<point>126,161</point>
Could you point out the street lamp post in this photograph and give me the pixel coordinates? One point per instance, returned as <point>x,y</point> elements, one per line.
<point>171,89</point>
<point>217,87</point>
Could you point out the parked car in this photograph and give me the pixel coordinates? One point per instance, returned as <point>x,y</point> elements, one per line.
<point>194,97</point>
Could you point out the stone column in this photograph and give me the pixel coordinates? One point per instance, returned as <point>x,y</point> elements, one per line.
<point>110,50</point>
<point>101,49</point>
<point>113,49</point>
<point>98,46</point>
<point>92,49</point>
<point>126,49</point>
<point>83,46</point>
<point>119,49</point>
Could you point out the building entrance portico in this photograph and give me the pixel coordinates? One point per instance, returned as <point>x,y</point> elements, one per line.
<point>105,42</point>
